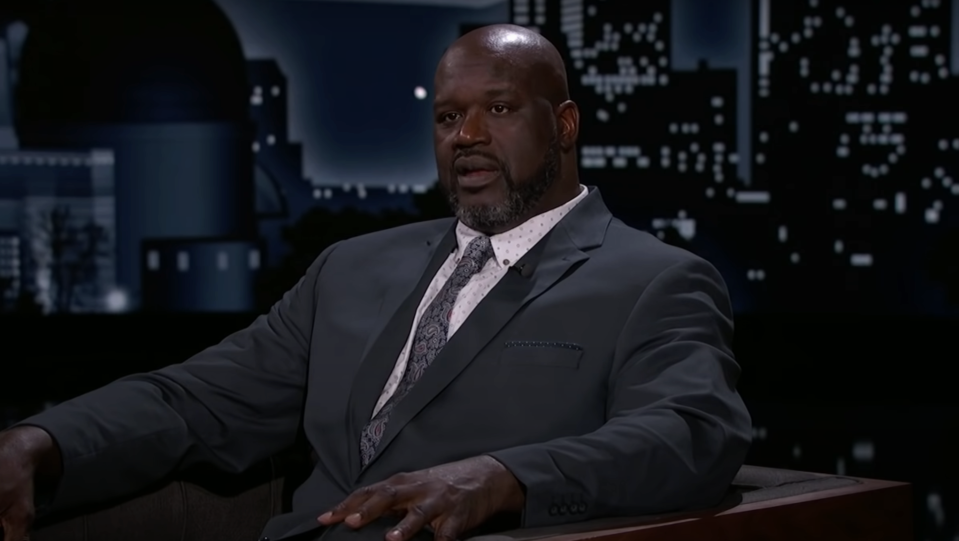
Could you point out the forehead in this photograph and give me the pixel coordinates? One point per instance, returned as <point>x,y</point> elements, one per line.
<point>464,72</point>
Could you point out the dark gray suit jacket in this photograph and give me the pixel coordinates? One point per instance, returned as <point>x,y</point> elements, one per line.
<point>601,376</point>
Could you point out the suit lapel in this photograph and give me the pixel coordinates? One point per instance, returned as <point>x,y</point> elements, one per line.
<point>390,333</point>
<point>549,261</point>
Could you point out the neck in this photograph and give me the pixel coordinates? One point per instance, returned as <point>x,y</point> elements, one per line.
<point>564,191</point>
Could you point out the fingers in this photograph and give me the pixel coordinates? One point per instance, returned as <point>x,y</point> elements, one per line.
<point>364,506</point>
<point>384,498</point>
<point>346,507</point>
<point>417,517</point>
<point>449,529</point>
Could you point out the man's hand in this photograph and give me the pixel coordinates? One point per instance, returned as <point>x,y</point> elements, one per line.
<point>452,499</point>
<point>26,453</point>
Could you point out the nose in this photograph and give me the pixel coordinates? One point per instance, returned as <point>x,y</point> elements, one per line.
<point>472,131</point>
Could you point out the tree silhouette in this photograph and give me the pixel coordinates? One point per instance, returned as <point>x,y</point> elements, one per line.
<point>320,228</point>
<point>943,264</point>
<point>72,250</point>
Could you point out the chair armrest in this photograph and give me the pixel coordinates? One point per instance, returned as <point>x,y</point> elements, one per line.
<point>762,503</point>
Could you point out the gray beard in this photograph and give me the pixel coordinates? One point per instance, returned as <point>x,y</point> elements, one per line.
<point>521,198</point>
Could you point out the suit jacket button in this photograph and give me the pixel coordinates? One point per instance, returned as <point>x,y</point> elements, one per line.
<point>581,508</point>
<point>264,538</point>
<point>553,510</point>
<point>563,509</point>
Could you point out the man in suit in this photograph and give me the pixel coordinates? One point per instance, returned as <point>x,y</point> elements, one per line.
<point>532,356</point>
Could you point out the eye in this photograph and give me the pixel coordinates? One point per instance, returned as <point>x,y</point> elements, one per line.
<point>499,109</point>
<point>446,118</point>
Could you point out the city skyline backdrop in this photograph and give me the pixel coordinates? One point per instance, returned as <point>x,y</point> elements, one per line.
<point>806,199</point>
<point>410,37</point>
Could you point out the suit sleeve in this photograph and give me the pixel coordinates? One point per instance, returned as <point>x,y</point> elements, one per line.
<point>232,405</point>
<point>676,430</point>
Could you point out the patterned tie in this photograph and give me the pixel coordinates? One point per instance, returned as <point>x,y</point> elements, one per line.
<point>429,339</point>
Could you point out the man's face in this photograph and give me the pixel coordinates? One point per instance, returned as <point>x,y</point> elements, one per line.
<point>497,147</point>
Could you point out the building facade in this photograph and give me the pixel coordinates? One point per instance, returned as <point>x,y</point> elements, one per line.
<point>58,229</point>
<point>200,275</point>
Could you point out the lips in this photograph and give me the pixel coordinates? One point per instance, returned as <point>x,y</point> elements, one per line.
<point>475,172</point>
<point>477,179</point>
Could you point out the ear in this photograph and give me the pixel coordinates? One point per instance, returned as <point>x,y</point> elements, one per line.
<point>567,117</point>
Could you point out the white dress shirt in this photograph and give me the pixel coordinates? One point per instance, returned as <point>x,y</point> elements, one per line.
<point>508,248</point>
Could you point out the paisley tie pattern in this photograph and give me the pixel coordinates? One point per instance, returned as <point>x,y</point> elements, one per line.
<point>429,339</point>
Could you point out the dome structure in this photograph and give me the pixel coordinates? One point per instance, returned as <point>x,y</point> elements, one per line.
<point>123,62</point>
<point>163,85</point>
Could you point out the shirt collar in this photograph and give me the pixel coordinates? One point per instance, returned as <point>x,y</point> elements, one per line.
<point>510,246</point>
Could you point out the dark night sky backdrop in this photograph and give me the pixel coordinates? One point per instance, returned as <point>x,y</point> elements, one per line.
<point>352,68</point>
<point>355,111</point>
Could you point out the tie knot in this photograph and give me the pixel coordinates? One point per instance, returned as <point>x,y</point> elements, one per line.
<point>477,253</point>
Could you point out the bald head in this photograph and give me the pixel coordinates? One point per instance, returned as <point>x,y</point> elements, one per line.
<point>515,48</point>
<point>505,129</point>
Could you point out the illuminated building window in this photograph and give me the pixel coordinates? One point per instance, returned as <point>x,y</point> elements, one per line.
<point>10,264</point>
<point>254,259</point>
<point>860,260</point>
<point>153,260</point>
<point>222,261</point>
<point>183,261</point>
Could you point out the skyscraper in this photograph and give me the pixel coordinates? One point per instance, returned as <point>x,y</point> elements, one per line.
<point>659,143</point>
<point>655,140</point>
<point>852,135</point>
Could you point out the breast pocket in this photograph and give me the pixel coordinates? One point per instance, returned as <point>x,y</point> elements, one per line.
<point>539,353</point>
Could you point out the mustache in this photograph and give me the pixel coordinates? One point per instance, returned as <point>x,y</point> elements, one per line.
<point>478,154</point>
